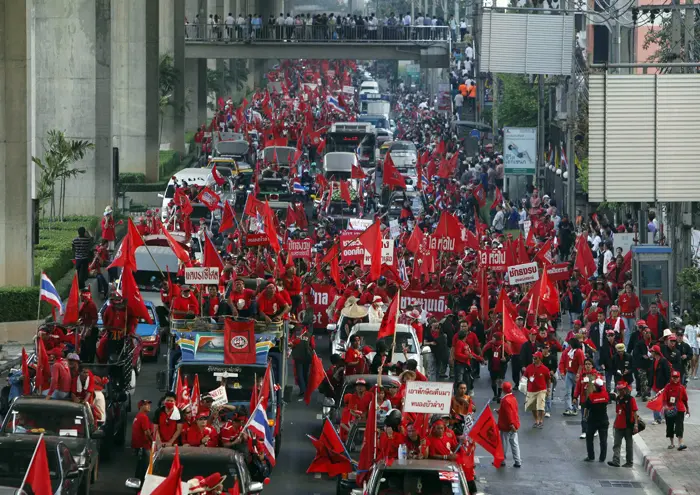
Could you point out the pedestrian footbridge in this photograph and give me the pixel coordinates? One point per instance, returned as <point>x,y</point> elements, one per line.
<point>430,46</point>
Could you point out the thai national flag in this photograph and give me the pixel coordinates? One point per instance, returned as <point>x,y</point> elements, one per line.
<point>298,188</point>
<point>258,423</point>
<point>48,293</point>
<point>333,103</point>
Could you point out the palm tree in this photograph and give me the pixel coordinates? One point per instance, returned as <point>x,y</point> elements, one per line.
<point>168,77</point>
<point>59,154</point>
<point>234,76</point>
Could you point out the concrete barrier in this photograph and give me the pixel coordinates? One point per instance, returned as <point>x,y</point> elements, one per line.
<point>20,332</point>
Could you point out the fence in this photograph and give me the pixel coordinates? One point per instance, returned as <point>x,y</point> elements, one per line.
<point>316,34</point>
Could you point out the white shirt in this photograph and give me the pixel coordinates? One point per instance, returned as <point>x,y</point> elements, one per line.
<point>462,25</point>
<point>375,315</point>
<point>229,21</point>
<point>469,52</point>
<point>407,20</point>
<point>459,100</point>
<point>289,21</point>
<point>691,335</point>
<point>607,259</point>
<point>595,240</point>
<point>241,20</point>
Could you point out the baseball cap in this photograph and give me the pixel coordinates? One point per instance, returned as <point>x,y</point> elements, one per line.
<point>641,323</point>
<point>73,357</point>
<point>577,322</point>
<point>360,381</point>
<point>143,402</point>
<point>656,348</point>
<point>675,374</point>
<point>538,355</point>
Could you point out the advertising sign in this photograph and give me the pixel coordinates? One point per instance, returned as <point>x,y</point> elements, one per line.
<point>202,276</point>
<point>349,90</point>
<point>624,241</point>
<point>495,259</point>
<point>433,301</point>
<point>219,395</point>
<point>559,272</point>
<point>322,297</point>
<point>299,249</point>
<point>257,239</point>
<point>522,274</point>
<point>351,251</point>
<point>428,397</point>
<point>387,253</point>
<point>520,150</point>
<point>360,224</point>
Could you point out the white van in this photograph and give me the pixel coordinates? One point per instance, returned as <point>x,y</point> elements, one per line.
<point>337,165</point>
<point>197,176</point>
<point>369,87</point>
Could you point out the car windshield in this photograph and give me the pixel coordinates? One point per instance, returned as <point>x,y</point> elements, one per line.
<point>284,154</point>
<point>419,481</point>
<point>402,146</point>
<point>232,147</point>
<point>52,421</point>
<point>369,337</point>
<point>410,171</point>
<point>338,174</point>
<point>239,380</point>
<point>199,211</point>
<point>13,465</point>
<point>271,187</point>
<point>199,466</point>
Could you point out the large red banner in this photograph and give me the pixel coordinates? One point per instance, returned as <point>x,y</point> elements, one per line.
<point>351,251</point>
<point>239,341</point>
<point>494,259</point>
<point>433,301</point>
<point>322,296</point>
<point>257,239</point>
<point>558,272</point>
<point>299,249</point>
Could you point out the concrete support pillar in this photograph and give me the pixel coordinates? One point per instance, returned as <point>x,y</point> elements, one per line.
<point>73,85</point>
<point>16,257</point>
<point>191,88</point>
<point>135,95</point>
<point>202,91</point>
<point>172,43</point>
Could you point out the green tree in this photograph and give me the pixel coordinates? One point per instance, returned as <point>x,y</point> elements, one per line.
<point>168,77</point>
<point>56,168</point>
<point>660,38</point>
<point>233,77</point>
<point>517,105</point>
<point>689,280</point>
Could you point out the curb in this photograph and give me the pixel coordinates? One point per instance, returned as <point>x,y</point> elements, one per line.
<point>656,469</point>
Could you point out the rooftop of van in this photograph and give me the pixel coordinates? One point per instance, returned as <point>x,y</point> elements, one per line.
<point>193,174</point>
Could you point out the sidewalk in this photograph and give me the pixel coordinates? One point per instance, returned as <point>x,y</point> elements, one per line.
<point>674,472</point>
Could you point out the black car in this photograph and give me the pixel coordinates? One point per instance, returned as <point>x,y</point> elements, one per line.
<point>204,461</point>
<point>16,453</point>
<point>69,422</point>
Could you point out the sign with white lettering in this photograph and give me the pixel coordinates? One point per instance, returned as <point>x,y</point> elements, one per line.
<point>428,397</point>
<point>219,395</point>
<point>522,274</point>
<point>387,253</point>
<point>202,276</point>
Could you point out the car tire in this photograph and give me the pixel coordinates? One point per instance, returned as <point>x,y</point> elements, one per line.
<point>139,364</point>
<point>278,444</point>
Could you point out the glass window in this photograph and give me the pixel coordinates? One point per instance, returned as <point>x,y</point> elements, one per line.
<point>25,419</point>
<point>368,337</point>
<point>415,481</point>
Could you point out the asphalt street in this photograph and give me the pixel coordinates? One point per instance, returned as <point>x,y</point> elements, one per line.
<point>552,457</point>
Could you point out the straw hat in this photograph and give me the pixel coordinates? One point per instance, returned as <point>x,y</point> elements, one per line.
<point>354,311</point>
<point>350,301</point>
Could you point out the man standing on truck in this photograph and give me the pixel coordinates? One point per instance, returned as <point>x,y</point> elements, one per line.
<point>185,306</point>
<point>271,306</point>
<point>167,421</point>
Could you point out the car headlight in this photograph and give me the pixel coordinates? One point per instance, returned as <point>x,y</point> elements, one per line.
<point>151,338</point>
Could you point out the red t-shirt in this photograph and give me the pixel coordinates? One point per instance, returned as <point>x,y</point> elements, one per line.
<point>537,377</point>
<point>182,305</point>
<point>166,427</point>
<point>621,414</point>
<point>270,306</point>
<point>628,304</point>
<point>229,432</point>
<point>352,355</point>
<point>142,424</point>
<point>293,286</point>
<point>242,300</point>
<point>195,435</point>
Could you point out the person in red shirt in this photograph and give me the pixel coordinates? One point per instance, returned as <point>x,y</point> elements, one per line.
<point>142,227</point>
<point>88,309</point>
<point>243,300</point>
<point>463,355</point>
<point>509,424</point>
<point>83,386</point>
<point>286,298</point>
<point>389,442</point>
<point>292,283</point>
<point>142,438</point>
<point>570,364</point>
<point>675,402</point>
<point>629,308</point>
<point>271,306</point>
<point>442,442</point>
<point>538,379</point>
<point>201,434</point>
<point>232,432</point>
<point>116,319</point>
<point>626,424</point>
<point>60,376</point>
<point>185,305</point>
<point>167,422</point>
<point>356,407</point>
<point>584,386</point>
<point>107,224</point>
<point>355,363</point>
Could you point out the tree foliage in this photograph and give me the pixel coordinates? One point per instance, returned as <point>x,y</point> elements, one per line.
<point>518,105</point>
<point>56,168</point>
<point>233,77</point>
<point>660,37</point>
<point>689,280</point>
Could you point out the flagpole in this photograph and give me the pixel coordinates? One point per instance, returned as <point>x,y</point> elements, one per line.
<point>38,309</point>
<point>146,246</point>
<point>24,481</point>
<point>396,320</point>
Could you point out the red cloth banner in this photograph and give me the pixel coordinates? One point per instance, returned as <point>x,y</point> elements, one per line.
<point>299,249</point>
<point>351,250</point>
<point>322,296</point>
<point>239,342</point>
<point>493,259</point>
<point>257,239</point>
<point>558,272</point>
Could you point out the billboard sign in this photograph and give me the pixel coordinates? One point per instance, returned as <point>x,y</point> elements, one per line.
<point>520,150</point>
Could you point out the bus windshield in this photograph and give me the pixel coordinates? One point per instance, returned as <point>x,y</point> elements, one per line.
<point>239,380</point>
<point>351,141</point>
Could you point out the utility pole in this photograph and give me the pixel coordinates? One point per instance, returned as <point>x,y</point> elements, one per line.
<point>539,170</point>
<point>571,119</point>
<point>689,24</point>
<point>476,45</point>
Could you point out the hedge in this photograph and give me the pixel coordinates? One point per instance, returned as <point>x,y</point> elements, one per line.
<point>53,255</point>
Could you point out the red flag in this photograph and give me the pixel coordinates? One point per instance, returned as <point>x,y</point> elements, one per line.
<point>239,342</point>
<point>209,198</point>
<point>369,445</point>
<point>335,271</point>
<point>530,241</point>
<point>388,326</point>
<point>183,201</point>
<point>134,235</point>
<point>331,456</point>
<point>177,248</point>
<point>26,379</point>
<point>509,306</point>
<point>480,195</point>
<point>371,239</point>
<point>357,172</point>
<point>171,485</point>
<point>71,314</point>
<point>252,205</point>
<point>549,294</point>
<point>124,257</point>
<point>43,368</point>
<point>332,253</point>
<point>236,489</point>
<point>321,146</point>
<point>253,399</point>
<point>227,218</point>
<point>316,376</point>
<point>657,403</point>
<point>484,295</point>
<point>291,216</point>
<point>449,227</point>
<point>264,394</point>
<point>38,477</point>
<point>522,255</point>
<point>218,178</point>
<point>511,333</point>
<point>302,222</point>
<point>392,178</point>
<point>498,199</point>
<point>176,468</point>
<point>195,395</point>
<point>182,393</point>
<point>132,296</point>
<point>345,192</point>
<point>584,257</point>
<point>270,230</point>
<point>485,433</point>
<point>211,256</point>
<point>416,239</point>
<point>544,255</point>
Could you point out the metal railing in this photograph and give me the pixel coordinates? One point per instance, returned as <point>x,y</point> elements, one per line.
<point>316,34</point>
